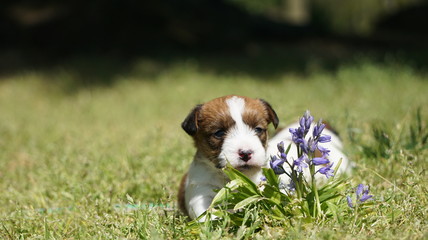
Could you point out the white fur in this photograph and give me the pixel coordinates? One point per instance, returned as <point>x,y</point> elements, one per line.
<point>242,137</point>
<point>202,178</point>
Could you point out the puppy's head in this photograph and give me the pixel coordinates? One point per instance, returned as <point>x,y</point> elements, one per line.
<point>232,129</point>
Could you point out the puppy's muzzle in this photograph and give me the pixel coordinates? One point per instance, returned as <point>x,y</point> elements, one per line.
<point>245,155</point>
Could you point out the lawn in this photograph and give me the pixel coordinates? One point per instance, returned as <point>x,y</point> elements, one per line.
<point>91,150</point>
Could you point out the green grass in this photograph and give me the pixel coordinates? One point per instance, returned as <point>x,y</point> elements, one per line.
<point>70,151</point>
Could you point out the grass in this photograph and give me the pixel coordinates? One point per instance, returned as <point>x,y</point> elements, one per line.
<point>84,161</point>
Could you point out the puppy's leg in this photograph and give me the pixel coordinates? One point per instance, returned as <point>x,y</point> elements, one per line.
<point>199,200</point>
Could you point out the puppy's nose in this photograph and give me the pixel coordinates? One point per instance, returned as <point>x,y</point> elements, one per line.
<point>245,155</point>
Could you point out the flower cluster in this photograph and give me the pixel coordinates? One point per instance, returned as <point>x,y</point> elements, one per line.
<point>306,148</point>
<point>362,195</point>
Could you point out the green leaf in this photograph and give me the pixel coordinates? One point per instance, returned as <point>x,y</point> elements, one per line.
<point>232,173</point>
<point>276,213</point>
<point>234,184</point>
<point>331,190</point>
<point>274,205</point>
<point>306,208</point>
<point>217,213</point>
<point>220,197</point>
<point>336,184</point>
<point>288,148</point>
<point>337,166</point>
<point>334,210</point>
<point>271,192</point>
<point>247,202</point>
<point>271,177</point>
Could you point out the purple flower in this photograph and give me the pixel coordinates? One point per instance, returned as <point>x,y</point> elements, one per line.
<point>291,186</point>
<point>280,147</point>
<point>304,146</point>
<point>283,156</point>
<point>302,122</point>
<point>320,161</point>
<point>309,121</point>
<point>365,197</point>
<point>327,171</point>
<point>300,163</point>
<point>287,186</point>
<point>359,190</point>
<point>263,178</point>
<point>281,151</point>
<point>318,129</point>
<point>308,146</point>
<point>348,198</point>
<point>324,151</point>
<point>312,145</point>
<point>324,139</point>
<point>306,121</point>
<point>297,135</point>
<point>362,193</point>
<point>276,165</point>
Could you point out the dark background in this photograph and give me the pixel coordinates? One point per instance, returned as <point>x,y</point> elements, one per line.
<point>225,34</point>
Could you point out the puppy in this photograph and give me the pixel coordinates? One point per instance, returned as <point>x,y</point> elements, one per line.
<point>227,129</point>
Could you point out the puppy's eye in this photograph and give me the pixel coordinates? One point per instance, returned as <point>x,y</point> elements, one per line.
<point>220,134</point>
<point>259,130</point>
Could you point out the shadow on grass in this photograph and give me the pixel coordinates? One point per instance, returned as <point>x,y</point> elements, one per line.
<point>95,43</point>
<point>266,62</point>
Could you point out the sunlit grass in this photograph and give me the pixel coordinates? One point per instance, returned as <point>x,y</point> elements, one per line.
<point>70,152</point>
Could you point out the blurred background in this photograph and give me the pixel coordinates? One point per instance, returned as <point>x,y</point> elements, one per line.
<point>42,33</point>
<point>92,95</point>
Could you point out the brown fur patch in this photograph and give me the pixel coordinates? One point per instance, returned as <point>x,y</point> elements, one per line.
<point>254,119</point>
<point>214,115</point>
<point>273,118</point>
<point>259,113</point>
<point>181,193</point>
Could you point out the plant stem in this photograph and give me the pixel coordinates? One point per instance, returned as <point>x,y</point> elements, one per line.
<point>301,179</point>
<point>296,183</point>
<point>317,207</point>
<point>356,214</point>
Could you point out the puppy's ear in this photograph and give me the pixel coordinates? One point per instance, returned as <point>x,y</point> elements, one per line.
<point>273,118</point>
<point>190,124</point>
